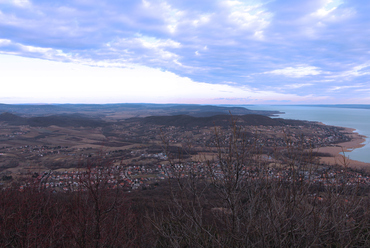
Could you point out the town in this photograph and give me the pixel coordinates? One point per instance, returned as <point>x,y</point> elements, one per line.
<point>135,155</point>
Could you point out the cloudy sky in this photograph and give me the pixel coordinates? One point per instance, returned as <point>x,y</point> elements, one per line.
<point>185,51</point>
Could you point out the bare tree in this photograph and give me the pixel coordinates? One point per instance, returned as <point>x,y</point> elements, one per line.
<point>240,199</point>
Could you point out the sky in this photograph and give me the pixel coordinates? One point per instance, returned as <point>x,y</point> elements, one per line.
<point>193,51</point>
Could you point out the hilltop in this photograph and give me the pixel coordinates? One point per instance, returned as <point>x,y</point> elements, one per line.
<point>128,110</point>
<point>79,120</point>
<point>217,120</point>
<point>64,120</point>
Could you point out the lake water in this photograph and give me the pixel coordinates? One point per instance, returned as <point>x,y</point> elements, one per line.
<point>358,119</point>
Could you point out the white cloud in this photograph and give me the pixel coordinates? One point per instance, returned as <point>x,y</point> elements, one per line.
<point>250,17</point>
<point>297,86</point>
<point>144,49</point>
<point>146,3</point>
<point>32,51</point>
<point>45,81</point>
<point>314,24</point>
<point>5,42</point>
<point>355,71</point>
<point>244,41</point>
<point>360,70</point>
<point>363,90</point>
<point>18,3</point>
<point>152,42</point>
<point>343,87</point>
<point>296,72</point>
<point>202,19</point>
<point>328,7</point>
<point>164,11</point>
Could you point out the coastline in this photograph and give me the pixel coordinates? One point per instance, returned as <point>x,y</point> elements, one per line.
<point>338,117</point>
<point>335,151</point>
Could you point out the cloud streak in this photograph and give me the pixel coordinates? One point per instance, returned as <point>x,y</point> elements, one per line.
<point>296,72</point>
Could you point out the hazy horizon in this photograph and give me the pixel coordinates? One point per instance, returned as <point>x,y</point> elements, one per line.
<point>349,105</point>
<point>193,52</point>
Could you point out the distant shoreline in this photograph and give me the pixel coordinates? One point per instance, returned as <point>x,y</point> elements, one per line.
<point>334,115</point>
<point>357,141</point>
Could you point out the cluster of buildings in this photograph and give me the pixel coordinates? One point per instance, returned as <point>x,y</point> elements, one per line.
<point>150,169</point>
<point>33,151</point>
<point>143,177</point>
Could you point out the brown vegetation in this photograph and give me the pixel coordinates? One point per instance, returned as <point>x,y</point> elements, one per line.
<point>232,201</point>
<point>226,206</point>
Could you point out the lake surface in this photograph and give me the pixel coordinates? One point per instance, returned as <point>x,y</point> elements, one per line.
<point>358,119</point>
